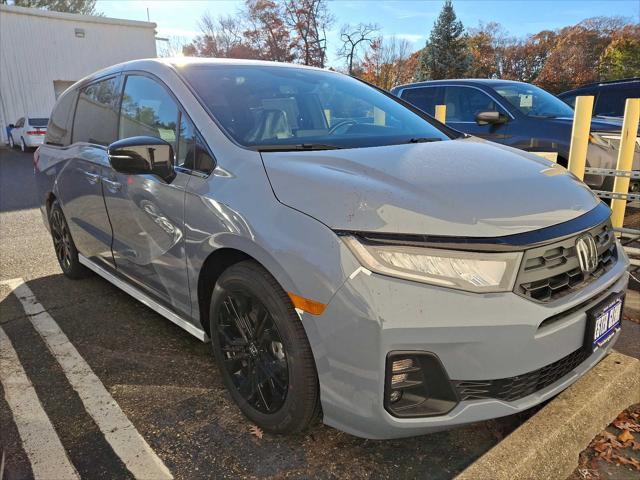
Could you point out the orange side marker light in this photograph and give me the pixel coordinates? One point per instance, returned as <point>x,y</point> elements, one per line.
<point>306,305</point>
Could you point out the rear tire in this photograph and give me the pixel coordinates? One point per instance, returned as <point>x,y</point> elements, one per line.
<point>65,248</point>
<point>23,146</point>
<point>262,350</point>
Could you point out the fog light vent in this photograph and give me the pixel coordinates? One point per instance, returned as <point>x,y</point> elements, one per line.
<point>401,365</point>
<point>396,379</point>
<point>416,385</point>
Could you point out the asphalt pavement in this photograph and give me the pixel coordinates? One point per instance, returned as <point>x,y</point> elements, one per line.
<point>156,383</point>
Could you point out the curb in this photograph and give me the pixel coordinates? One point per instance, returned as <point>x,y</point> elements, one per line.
<point>548,444</point>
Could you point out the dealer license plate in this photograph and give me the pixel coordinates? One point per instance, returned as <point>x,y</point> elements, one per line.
<point>604,321</point>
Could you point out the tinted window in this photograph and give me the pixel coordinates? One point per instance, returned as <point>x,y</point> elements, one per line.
<point>38,122</point>
<point>192,153</point>
<point>148,109</point>
<point>59,128</point>
<point>424,98</point>
<point>533,101</point>
<point>570,100</point>
<point>96,119</point>
<point>611,101</point>
<point>260,106</point>
<point>20,123</point>
<point>464,103</point>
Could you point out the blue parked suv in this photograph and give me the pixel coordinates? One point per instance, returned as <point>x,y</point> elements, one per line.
<point>517,114</point>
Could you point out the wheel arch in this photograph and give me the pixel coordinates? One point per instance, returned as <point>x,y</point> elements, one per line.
<point>220,260</point>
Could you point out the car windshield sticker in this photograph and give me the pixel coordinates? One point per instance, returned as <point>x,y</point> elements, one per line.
<point>526,101</point>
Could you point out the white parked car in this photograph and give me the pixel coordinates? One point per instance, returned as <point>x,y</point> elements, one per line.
<point>28,132</point>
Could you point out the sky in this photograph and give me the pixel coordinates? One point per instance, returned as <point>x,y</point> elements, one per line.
<point>408,19</point>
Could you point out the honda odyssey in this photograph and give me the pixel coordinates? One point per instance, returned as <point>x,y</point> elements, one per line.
<point>348,257</point>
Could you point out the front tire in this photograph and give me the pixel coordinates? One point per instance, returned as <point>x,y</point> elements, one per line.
<point>65,248</point>
<point>262,350</point>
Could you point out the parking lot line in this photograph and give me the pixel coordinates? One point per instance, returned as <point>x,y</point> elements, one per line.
<point>39,439</point>
<point>119,432</point>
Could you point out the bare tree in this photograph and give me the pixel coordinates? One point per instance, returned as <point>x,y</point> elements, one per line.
<point>387,62</point>
<point>309,20</point>
<point>171,46</point>
<point>352,38</point>
<point>220,37</point>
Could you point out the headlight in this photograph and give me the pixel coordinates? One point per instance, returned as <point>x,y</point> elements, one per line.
<point>471,271</point>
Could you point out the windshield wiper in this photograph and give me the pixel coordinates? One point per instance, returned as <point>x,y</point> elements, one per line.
<point>296,147</point>
<point>423,140</point>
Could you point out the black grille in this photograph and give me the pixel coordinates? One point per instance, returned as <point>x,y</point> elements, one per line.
<point>515,388</point>
<point>551,272</point>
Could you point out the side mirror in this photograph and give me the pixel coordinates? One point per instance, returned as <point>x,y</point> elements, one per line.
<point>143,155</point>
<point>490,118</point>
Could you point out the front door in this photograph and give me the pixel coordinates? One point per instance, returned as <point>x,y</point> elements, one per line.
<point>464,103</point>
<point>146,212</point>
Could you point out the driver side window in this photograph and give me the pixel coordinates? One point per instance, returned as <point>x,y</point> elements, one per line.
<point>464,103</point>
<point>147,109</point>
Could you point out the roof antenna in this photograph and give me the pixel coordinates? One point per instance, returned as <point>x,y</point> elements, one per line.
<point>148,15</point>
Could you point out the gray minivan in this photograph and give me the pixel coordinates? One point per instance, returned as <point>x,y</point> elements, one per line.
<point>348,257</point>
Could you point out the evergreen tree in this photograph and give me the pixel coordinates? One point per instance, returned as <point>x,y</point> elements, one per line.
<point>446,54</point>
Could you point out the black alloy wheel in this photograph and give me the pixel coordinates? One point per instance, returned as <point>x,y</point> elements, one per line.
<point>262,351</point>
<point>255,357</point>
<point>61,239</point>
<point>63,244</point>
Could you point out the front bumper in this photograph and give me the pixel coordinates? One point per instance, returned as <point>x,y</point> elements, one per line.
<point>475,336</point>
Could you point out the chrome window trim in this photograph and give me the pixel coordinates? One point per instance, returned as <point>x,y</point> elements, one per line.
<point>401,91</point>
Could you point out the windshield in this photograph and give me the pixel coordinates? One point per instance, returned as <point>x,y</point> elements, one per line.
<point>38,122</point>
<point>272,107</point>
<point>533,101</point>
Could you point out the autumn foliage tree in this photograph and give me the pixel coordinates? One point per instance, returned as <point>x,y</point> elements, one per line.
<point>621,58</point>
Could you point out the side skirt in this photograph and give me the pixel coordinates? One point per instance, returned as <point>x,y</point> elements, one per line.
<point>145,299</point>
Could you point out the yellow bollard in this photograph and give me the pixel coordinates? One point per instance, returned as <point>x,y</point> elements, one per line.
<point>625,158</point>
<point>441,113</point>
<point>580,136</point>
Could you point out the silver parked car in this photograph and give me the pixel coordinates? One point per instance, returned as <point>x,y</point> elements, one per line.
<point>348,256</point>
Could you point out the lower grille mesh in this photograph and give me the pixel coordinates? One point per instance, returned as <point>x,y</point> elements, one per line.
<point>515,388</point>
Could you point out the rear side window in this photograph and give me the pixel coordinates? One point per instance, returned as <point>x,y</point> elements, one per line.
<point>59,128</point>
<point>96,119</point>
<point>425,98</point>
<point>611,101</point>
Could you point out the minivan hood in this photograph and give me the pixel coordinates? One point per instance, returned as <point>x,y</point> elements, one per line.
<point>466,187</point>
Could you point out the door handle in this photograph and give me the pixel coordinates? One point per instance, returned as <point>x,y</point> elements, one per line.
<point>112,186</point>
<point>92,178</point>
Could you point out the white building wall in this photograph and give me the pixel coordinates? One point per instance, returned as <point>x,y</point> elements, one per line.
<point>38,48</point>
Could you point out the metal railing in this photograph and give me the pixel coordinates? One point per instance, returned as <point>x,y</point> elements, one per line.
<point>623,173</point>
